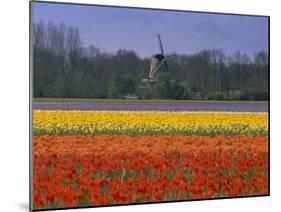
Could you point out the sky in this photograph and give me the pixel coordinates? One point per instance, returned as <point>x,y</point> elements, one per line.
<point>111,29</point>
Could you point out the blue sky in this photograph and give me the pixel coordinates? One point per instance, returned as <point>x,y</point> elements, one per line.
<point>110,29</point>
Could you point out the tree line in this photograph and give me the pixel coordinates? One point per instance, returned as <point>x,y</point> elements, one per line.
<point>65,68</point>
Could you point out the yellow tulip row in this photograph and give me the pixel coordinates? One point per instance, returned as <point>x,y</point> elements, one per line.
<point>148,123</point>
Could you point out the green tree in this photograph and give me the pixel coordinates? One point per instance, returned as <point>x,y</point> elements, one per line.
<point>163,85</point>
<point>121,85</point>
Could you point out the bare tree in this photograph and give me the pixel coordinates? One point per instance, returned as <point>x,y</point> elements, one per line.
<point>39,34</point>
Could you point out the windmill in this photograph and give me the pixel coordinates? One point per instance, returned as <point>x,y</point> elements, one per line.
<point>156,62</point>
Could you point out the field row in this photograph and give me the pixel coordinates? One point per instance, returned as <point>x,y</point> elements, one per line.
<point>74,171</point>
<point>148,123</point>
<point>148,105</point>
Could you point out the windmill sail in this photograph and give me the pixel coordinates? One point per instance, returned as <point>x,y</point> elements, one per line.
<point>160,44</point>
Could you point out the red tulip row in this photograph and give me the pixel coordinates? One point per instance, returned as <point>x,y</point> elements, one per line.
<point>71,171</point>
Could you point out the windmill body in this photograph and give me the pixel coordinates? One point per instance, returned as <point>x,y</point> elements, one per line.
<point>156,62</point>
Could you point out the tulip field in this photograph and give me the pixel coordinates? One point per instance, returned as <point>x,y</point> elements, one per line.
<point>95,158</point>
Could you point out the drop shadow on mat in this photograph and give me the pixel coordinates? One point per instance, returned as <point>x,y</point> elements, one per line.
<point>23,206</point>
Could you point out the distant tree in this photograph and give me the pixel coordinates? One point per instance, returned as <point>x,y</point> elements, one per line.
<point>64,67</point>
<point>39,35</point>
<point>163,85</point>
<point>177,91</point>
<point>121,86</point>
<point>79,85</point>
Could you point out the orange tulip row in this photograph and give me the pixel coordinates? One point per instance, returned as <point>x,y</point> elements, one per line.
<point>71,171</point>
